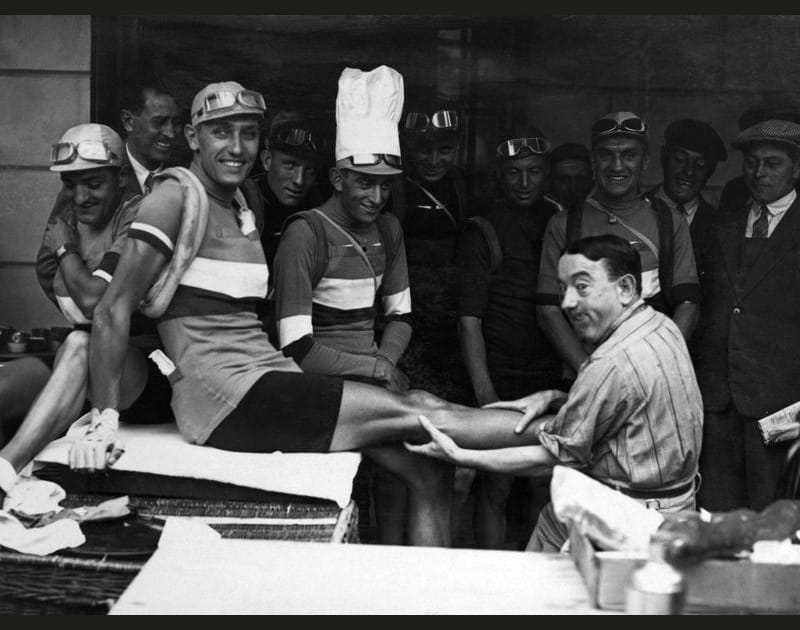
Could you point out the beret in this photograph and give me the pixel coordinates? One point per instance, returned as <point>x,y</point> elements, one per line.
<point>697,136</point>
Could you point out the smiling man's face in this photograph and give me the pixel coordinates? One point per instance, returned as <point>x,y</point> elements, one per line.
<point>618,164</point>
<point>685,173</point>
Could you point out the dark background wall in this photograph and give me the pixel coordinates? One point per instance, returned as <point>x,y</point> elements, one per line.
<point>558,71</point>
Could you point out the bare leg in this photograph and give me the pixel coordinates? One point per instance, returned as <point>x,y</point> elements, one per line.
<point>429,485</point>
<point>371,415</point>
<point>489,518</point>
<point>20,382</point>
<point>58,404</point>
<point>62,398</point>
<point>390,499</point>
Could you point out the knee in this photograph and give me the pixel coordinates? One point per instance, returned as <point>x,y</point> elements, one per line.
<point>424,399</point>
<point>75,347</point>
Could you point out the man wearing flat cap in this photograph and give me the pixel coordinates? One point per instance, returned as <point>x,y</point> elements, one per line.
<point>734,194</point>
<point>689,157</point>
<point>748,363</point>
<point>618,205</point>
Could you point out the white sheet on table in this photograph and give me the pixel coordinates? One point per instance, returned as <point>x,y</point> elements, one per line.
<point>160,449</point>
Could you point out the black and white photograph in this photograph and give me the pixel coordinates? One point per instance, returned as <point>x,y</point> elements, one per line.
<point>400,314</point>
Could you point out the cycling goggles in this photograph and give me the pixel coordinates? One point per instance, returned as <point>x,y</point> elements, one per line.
<point>297,137</point>
<point>513,147</point>
<point>213,104</point>
<point>442,119</point>
<point>96,151</point>
<point>371,159</point>
<point>608,126</point>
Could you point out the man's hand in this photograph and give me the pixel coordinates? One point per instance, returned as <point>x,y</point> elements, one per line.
<point>100,446</point>
<point>395,379</point>
<point>60,232</point>
<point>531,407</point>
<point>440,445</point>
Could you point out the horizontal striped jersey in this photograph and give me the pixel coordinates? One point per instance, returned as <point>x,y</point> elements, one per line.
<point>634,415</point>
<point>340,310</point>
<point>210,329</point>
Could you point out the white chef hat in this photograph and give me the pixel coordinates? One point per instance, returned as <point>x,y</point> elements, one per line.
<point>368,108</point>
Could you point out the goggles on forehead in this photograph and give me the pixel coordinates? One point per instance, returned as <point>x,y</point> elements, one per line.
<point>297,137</point>
<point>606,126</point>
<point>513,147</point>
<point>90,150</point>
<point>371,159</point>
<point>442,119</point>
<point>225,99</point>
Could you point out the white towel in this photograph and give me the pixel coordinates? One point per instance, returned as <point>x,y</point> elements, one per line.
<point>160,449</point>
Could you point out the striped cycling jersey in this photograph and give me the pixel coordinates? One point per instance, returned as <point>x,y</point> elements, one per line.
<point>210,329</point>
<point>340,310</point>
<point>228,274</point>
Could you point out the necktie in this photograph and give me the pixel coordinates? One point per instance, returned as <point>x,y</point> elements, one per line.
<point>760,227</point>
<point>148,182</point>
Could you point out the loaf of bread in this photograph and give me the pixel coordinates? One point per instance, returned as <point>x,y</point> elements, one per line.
<point>690,538</point>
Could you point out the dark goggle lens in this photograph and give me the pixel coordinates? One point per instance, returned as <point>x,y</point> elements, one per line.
<point>515,146</point>
<point>442,119</point>
<point>371,159</point>
<point>445,119</point>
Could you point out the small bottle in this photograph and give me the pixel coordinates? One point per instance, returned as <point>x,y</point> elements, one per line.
<point>657,588</point>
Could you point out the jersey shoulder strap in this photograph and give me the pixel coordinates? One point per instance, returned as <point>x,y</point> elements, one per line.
<point>490,234</point>
<point>320,241</point>
<point>574,224</point>
<point>666,245</point>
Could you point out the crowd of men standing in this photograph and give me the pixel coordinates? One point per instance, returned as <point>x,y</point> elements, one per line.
<point>462,295</point>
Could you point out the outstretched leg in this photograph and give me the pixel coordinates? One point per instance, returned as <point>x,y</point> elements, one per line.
<point>371,415</point>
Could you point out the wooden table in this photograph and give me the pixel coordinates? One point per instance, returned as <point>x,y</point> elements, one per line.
<point>275,577</point>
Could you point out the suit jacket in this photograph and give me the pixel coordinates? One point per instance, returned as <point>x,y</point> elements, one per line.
<point>749,350</point>
<point>131,184</point>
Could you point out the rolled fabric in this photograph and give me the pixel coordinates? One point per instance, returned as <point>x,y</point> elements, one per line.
<point>194,218</point>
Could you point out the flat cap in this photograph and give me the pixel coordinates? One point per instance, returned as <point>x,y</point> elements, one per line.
<point>570,151</point>
<point>781,132</point>
<point>697,136</point>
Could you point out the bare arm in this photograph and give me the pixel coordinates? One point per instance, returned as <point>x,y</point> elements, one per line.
<point>84,288</point>
<point>686,316</point>
<point>137,270</point>
<point>517,460</point>
<point>557,329</point>
<point>473,349</point>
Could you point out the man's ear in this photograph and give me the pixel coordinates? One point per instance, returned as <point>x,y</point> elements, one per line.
<point>627,289</point>
<point>126,116</point>
<point>191,137</point>
<point>646,161</point>
<point>336,177</point>
<point>266,158</point>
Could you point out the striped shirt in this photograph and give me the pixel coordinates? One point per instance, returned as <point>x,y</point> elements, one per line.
<point>210,329</point>
<point>340,310</point>
<point>634,416</point>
